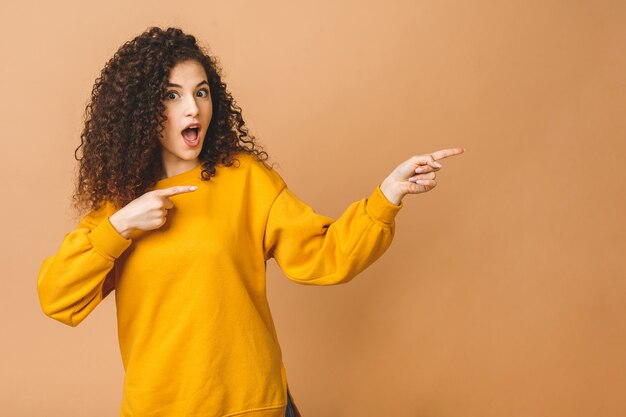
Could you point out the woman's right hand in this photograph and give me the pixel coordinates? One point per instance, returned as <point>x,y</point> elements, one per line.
<point>146,212</point>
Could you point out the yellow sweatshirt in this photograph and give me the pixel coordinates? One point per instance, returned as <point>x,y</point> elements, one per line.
<point>195,331</point>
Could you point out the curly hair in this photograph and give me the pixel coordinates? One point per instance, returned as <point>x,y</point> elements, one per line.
<point>122,154</point>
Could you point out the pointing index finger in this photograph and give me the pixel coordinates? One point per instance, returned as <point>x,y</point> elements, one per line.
<point>178,189</point>
<point>444,153</point>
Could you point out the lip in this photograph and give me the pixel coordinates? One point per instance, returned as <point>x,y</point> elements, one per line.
<point>193,124</point>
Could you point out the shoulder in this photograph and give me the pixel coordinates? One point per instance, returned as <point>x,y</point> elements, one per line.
<point>259,171</point>
<point>95,216</point>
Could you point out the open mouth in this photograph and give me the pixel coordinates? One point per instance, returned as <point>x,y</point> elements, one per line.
<point>191,135</point>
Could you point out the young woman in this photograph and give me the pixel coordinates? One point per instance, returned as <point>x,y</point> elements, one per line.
<point>183,213</point>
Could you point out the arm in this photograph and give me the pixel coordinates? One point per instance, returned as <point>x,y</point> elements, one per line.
<point>72,282</point>
<point>314,249</point>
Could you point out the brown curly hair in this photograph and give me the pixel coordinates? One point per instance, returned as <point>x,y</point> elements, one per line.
<point>124,119</point>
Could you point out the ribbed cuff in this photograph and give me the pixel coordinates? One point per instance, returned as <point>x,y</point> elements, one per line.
<point>108,241</point>
<point>381,209</point>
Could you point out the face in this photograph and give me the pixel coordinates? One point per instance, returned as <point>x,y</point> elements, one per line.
<point>187,100</point>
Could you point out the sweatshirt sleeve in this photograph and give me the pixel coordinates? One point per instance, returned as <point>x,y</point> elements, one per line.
<point>314,249</point>
<point>70,282</point>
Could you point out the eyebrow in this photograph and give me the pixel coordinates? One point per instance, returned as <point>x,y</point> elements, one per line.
<point>180,86</point>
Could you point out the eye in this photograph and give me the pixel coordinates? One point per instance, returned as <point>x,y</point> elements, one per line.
<point>169,93</point>
<point>205,91</point>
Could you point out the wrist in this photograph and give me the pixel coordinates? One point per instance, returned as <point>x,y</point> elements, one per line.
<point>120,224</point>
<point>392,195</point>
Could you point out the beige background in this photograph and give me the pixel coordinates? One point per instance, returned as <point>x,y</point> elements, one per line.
<point>503,293</point>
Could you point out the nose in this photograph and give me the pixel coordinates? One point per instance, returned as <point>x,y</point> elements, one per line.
<point>191,108</point>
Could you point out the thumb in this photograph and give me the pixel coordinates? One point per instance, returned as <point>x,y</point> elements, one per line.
<point>426,159</point>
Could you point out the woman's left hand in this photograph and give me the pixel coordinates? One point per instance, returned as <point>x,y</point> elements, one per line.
<point>415,175</point>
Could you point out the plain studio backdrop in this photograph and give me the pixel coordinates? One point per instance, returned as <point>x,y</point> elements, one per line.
<point>503,292</point>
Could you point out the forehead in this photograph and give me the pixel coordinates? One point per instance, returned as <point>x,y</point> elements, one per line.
<point>187,72</point>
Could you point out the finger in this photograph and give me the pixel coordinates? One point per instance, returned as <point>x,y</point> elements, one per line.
<point>167,204</point>
<point>421,181</point>
<point>425,183</point>
<point>429,176</point>
<point>422,169</point>
<point>444,153</point>
<point>179,189</point>
<point>416,188</point>
<point>426,160</point>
